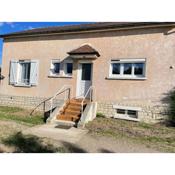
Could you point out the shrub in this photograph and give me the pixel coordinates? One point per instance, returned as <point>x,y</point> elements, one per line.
<point>172,107</point>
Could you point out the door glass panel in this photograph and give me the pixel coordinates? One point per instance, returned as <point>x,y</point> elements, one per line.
<point>86,72</point>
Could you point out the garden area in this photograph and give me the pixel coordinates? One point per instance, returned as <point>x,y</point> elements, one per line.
<point>105,135</point>
<point>12,121</point>
<point>156,136</point>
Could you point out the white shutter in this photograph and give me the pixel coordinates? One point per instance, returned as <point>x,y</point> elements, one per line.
<point>13,72</point>
<point>34,72</point>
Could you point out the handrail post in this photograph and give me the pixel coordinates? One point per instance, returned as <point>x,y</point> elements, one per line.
<point>69,94</point>
<point>51,106</point>
<point>82,109</point>
<point>66,95</point>
<point>89,91</point>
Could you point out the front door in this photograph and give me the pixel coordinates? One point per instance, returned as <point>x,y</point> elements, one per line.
<point>84,78</point>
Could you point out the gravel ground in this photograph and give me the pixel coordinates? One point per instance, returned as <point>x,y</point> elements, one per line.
<point>102,144</point>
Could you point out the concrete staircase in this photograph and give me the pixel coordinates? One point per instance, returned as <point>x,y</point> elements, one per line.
<point>71,112</point>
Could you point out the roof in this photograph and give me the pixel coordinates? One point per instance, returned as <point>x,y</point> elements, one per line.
<point>84,28</point>
<point>85,49</point>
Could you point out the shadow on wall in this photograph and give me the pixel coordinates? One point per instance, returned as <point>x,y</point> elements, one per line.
<point>169,100</point>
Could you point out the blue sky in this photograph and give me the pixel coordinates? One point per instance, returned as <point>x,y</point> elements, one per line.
<point>8,27</point>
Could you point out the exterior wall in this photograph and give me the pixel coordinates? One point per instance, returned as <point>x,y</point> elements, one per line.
<point>153,44</point>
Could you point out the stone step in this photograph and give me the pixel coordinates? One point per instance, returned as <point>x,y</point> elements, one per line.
<point>72,112</point>
<point>65,123</point>
<point>74,108</point>
<point>68,117</point>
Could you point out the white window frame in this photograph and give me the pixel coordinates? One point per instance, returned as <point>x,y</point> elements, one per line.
<point>17,73</point>
<point>51,67</point>
<point>127,116</point>
<point>124,76</point>
<point>19,69</point>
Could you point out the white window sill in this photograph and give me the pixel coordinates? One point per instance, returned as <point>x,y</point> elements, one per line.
<point>126,78</point>
<point>60,76</point>
<point>125,117</point>
<point>21,85</point>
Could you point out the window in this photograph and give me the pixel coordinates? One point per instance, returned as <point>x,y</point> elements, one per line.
<point>55,67</point>
<point>127,112</point>
<point>131,68</point>
<point>61,69</point>
<point>23,72</point>
<point>68,68</point>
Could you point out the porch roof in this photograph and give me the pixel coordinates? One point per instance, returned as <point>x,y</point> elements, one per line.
<point>84,50</point>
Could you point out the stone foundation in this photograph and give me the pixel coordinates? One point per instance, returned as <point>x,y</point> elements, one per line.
<point>28,102</point>
<point>149,113</point>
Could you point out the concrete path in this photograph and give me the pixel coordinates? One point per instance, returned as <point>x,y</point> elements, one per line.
<point>52,131</point>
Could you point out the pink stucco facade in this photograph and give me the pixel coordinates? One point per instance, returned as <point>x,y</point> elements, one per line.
<point>156,45</point>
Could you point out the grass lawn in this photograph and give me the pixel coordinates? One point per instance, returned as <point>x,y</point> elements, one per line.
<point>156,136</point>
<point>20,115</point>
<point>12,121</point>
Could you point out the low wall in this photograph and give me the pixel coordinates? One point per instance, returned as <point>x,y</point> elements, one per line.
<point>150,112</point>
<point>28,102</point>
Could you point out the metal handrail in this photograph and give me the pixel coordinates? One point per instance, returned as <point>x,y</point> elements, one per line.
<point>90,90</point>
<point>60,91</point>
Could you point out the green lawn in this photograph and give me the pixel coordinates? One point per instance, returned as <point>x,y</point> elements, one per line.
<point>20,115</point>
<point>156,136</point>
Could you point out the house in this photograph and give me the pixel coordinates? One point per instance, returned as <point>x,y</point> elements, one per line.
<point>127,69</point>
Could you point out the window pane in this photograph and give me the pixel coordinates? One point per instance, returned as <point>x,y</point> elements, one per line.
<point>127,68</point>
<point>138,68</point>
<point>115,68</point>
<point>132,113</point>
<point>120,111</point>
<point>56,68</point>
<point>25,73</point>
<point>69,68</point>
<point>86,72</point>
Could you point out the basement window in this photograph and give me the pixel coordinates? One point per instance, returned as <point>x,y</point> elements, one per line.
<point>126,112</point>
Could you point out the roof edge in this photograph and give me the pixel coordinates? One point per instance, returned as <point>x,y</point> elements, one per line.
<point>124,27</point>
